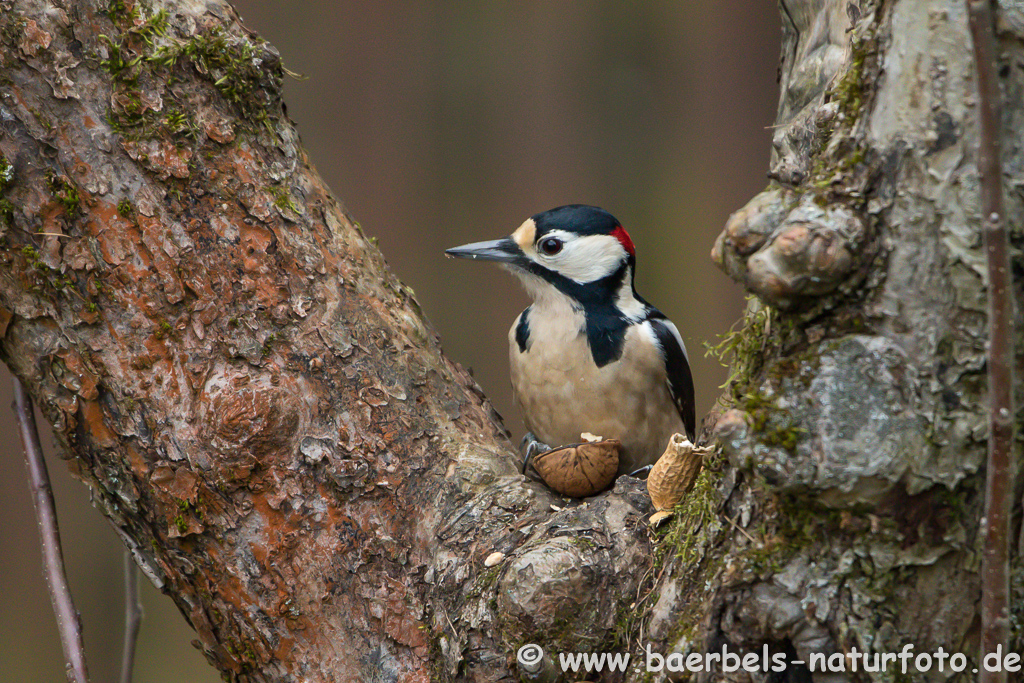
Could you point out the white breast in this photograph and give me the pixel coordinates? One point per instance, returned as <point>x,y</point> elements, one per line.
<point>562,392</point>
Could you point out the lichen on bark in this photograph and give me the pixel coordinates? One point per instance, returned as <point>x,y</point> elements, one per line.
<point>855,418</point>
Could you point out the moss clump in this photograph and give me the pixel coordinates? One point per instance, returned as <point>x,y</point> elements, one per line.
<point>119,62</point>
<point>694,540</point>
<point>12,28</point>
<point>851,91</point>
<point>65,192</point>
<point>135,120</point>
<point>6,212</point>
<point>792,525</point>
<point>6,173</point>
<point>772,424</point>
<point>235,65</point>
<point>122,13</point>
<point>741,349</point>
<point>54,279</point>
<point>690,529</point>
<point>126,17</point>
<point>124,208</point>
<point>177,122</point>
<point>283,199</point>
<point>268,344</point>
<point>6,207</point>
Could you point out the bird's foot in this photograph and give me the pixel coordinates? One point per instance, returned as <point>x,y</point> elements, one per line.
<point>641,473</point>
<point>531,446</point>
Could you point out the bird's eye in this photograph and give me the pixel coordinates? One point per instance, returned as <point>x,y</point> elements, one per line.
<point>549,246</point>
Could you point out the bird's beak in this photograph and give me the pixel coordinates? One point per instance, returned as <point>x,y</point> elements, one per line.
<point>504,250</point>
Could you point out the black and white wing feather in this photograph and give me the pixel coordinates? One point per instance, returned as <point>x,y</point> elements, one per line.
<point>677,365</point>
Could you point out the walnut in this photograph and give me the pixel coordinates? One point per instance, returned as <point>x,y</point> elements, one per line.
<point>579,470</point>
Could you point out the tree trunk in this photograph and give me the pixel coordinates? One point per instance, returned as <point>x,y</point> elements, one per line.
<point>847,516</point>
<point>256,402</point>
<point>267,420</point>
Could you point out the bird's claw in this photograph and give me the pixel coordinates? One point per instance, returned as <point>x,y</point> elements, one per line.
<point>642,472</point>
<point>531,447</point>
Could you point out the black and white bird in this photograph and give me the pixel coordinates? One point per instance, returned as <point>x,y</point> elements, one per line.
<point>590,355</point>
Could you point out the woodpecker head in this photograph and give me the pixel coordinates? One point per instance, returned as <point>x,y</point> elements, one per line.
<point>581,251</point>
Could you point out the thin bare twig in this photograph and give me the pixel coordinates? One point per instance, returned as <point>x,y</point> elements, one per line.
<point>53,559</point>
<point>132,616</point>
<point>995,568</point>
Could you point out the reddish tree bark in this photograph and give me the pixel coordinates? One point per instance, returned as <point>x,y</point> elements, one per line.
<point>256,402</point>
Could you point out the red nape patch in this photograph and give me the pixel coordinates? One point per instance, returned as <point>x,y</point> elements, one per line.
<point>622,236</point>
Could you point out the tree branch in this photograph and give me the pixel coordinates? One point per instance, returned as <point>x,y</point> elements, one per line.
<point>53,560</point>
<point>999,471</point>
<point>132,617</point>
<point>256,402</point>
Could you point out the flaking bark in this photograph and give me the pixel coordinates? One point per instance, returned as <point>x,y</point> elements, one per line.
<point>257,404</point>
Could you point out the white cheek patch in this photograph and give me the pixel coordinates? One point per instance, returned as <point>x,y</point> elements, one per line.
<point>584,259</point>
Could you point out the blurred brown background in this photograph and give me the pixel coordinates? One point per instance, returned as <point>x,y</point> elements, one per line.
<point>444,123</point>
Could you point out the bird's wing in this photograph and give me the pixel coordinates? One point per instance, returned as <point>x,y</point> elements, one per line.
<point>677,366</point>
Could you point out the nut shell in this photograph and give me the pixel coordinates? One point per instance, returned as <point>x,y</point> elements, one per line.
<point>579,470</point>
<point>675,473</point>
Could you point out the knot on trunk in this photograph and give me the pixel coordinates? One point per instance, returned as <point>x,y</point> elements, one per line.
<point>246,416</point>
<point>786,252</point>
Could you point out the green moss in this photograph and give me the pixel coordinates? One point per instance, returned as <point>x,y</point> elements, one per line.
<point>48,278</point>
<point>124,208</point>
<point>155,26</point>
<point>850,92</point>
<point>41,118</point>
<point>771,424</point>
<point>796,524</point>
<point>119,62</point>
<point>6,173</point>
<point>283,199</point>
<point>688,531</point>
<point>268,342</point>
<point>163,330</point>
<point>121,13</point>
<point>65,191</point>
<point>694,539</point>
<point>232,65</point>
<point>132,119</point>
<point>485,581</point>
<point>832,158</point>
<point>177,121</point>
<point>6,212</point>
<point>741,348</point>
<point>12,28</point>
<point>6,206</point>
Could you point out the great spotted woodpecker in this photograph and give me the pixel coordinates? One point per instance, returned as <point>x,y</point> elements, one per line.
<point>590,355</point>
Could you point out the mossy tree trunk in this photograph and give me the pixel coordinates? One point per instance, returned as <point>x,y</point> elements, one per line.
<point>256,403</point>
<point>847,516</point>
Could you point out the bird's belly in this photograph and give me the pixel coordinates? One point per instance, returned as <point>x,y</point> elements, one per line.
<point>562,393</point>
